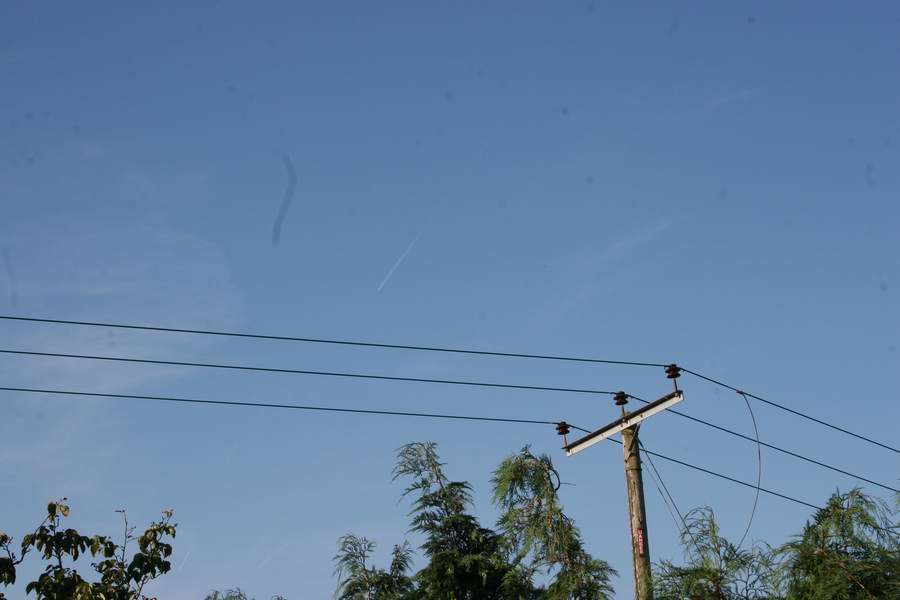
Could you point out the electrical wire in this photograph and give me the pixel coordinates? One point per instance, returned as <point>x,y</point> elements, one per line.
<point>445,350</point>
<point>305,372</point>
<point>683,526</point>
<point>759,442</point>
<point>394,413</point>
<point>435,381</point>
<point>792,411</point>
<point>287,338</point>
<point>390,413</point>
<point>758,472</point>
<point>727,478</point>
<point>663,483</point>
<point>678,526</point>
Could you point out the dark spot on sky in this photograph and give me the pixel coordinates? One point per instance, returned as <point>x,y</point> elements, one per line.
<point>892,348</point>
<point>723,194</point>
<point>591,179</point>
<point>286,199</point>
<point>883,286</point>
<point>29,116</point>
<point>31,160</point>
<point>675,24</point>
<point>751,20</point>
<point>851,140</point>
<point>870,174</point>
<point>448,96</point>
<point>231,88</point>
<point>76,129</point>
<point>564,111</point>
<point>11,277</point>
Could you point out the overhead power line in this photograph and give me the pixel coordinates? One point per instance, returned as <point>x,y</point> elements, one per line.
<point>393,413</point>
<point>433,381</point>
<point>286,338</point>
<point>177,363</point>
<point>260,336</point>
<point>386,413</point>
<point>772,446</point>
<point>792,411</point>
<point>726,477</point>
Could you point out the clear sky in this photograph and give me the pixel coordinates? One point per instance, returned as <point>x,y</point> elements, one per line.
<point>709,183</point>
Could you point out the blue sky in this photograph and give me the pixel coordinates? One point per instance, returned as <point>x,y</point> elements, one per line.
<point>703,183</point>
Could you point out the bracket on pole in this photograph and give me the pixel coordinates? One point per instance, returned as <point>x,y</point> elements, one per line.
<point>626,421</point>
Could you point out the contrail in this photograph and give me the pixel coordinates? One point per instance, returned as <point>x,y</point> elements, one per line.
<point>399,260</point>
<point>184,560</point>
<point>272,555</point>
<point>286,201</point>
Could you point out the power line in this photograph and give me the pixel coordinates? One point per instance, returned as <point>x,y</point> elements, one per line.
<point>772,446</point>
<point>657,480</point>
<point>389,413</point>
<point>758,472</point>
<point>306,372</point>
<point>272,405</point>
<point>435,381</point>
<point>287,338</point>
<point>684,526</point>
<point>436,349</point>
<point>792,411</point>
<point>725,477</point>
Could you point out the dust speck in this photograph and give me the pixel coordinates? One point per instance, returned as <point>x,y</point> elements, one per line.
<point>870,174</point>
<point>675,24</point>
<point>883,286</point>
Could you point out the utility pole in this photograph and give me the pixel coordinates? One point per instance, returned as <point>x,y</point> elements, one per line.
<point>640,547</point>
<point>629,425</point>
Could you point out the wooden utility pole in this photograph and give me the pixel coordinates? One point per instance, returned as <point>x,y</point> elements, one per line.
<point>640,542</point>
<point>628,425</point>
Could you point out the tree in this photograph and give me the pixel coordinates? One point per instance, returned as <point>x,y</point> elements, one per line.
<point>359,581</point>
<point>235,594</point>
<point>467,561</point>
<point>715,568</point>
<point>120,577</point>
<point>539,534</point>
<point>850,550</point>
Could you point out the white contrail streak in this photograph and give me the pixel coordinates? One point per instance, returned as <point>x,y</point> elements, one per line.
<point>184,560</point>
<point>399,260</point>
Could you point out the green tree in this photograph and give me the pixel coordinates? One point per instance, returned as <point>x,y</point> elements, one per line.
<point>539,535</point>
<point>716,569</point>
<point>466,561</point>
<point>235,594</point>
<point>121,577</point>
<point>850,550</point>
<point>358,581</point>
